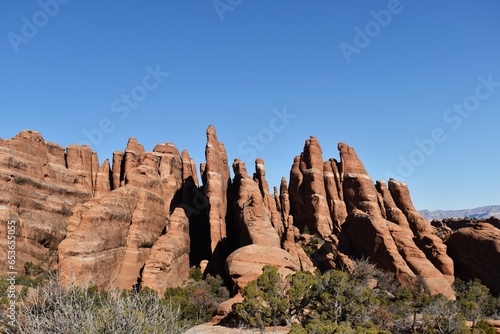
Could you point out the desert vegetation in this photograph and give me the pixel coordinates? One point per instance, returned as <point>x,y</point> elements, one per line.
<point>366,300</point>
<point>47,306</point>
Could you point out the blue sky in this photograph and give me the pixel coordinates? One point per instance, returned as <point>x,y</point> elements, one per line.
<point>413,86</point>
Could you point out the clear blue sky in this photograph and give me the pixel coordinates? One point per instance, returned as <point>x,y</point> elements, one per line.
<point>69,68</point>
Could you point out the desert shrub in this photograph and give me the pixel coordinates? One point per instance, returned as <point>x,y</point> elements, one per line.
<point>195,274</point>
<point>32,269</point>
<point>312,246</point>
<point>58,309</point>
<point>339,298</point>
<point>443,316</point>
<point>322,327</point>
<point>318,326</point>
<point>341,302</point>
<point>482,326</point>
<point>264,301</point>
<point>475,300</point>
<point>364,271</point>
<point>198,300</point>
<point>300,294</point>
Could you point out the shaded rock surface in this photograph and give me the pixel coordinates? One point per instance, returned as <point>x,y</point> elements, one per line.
<point>476,252</point>
<point>456,224</point>
<point>270,201</point>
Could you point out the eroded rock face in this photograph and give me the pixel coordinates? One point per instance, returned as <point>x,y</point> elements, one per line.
<point>170,169</point>
<point>103,179</point>
<point>252,216</point>
<point>366,229</point>
<point>117,169</point>
<point>476,253</point>
<point>110,238</point>
<point>246,263</point>
<point>426,240</point>
<point>294,248</point>
<point>405,241</point>
<point>168,263</point>
<point>117,238</point>
<point>39,186</point>
<point>307,190</point>
<point>133,156</point>
<point>269,200</point>
<point>378,229</point>
<point>259,226</point>
<point>216,177</point>
<point>334,192</point>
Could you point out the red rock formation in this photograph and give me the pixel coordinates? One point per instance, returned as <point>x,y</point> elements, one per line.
<point>334,194</point>
<point>133,156</point>
<point>103,179</point>
<point>168,263</point>
<point>307,190</point>
<point>81,161</point>
<point>456,224</point>
<point>426,240</point>
<point>189,169</point>
<point>251,214</point>
<point>389,245</point>
<point>216,177</point>
<point>39,186</point>
<point>390,209</point>
<point>476,252</point>
<point>193,200</point>
<point>246,263</point>
<point>194,203</point>
<point>137,221</point>
<point>170,169</point>
<point>260,240</point>
<point>295,249</point>
<point>291,231</point>
<point>404,239</point>
<point>269,201</point>
<point>296,194</point>
<point>117,169</point>
<point>111,237</point>
<point>284,200</point>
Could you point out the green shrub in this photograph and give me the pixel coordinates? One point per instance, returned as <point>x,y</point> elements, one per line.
<point>312,246</point>
<point>195,274</point>
<point>475,300</point>
<point>264,301</point>
<point>483,327</point>
<point>199,299</point>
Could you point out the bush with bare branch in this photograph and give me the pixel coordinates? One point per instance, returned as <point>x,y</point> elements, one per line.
<point>54,308</point>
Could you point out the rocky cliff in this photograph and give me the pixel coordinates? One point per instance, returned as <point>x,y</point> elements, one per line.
<point>144,220</point>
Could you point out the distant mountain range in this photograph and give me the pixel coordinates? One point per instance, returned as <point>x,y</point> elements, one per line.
<point>482,212</point>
